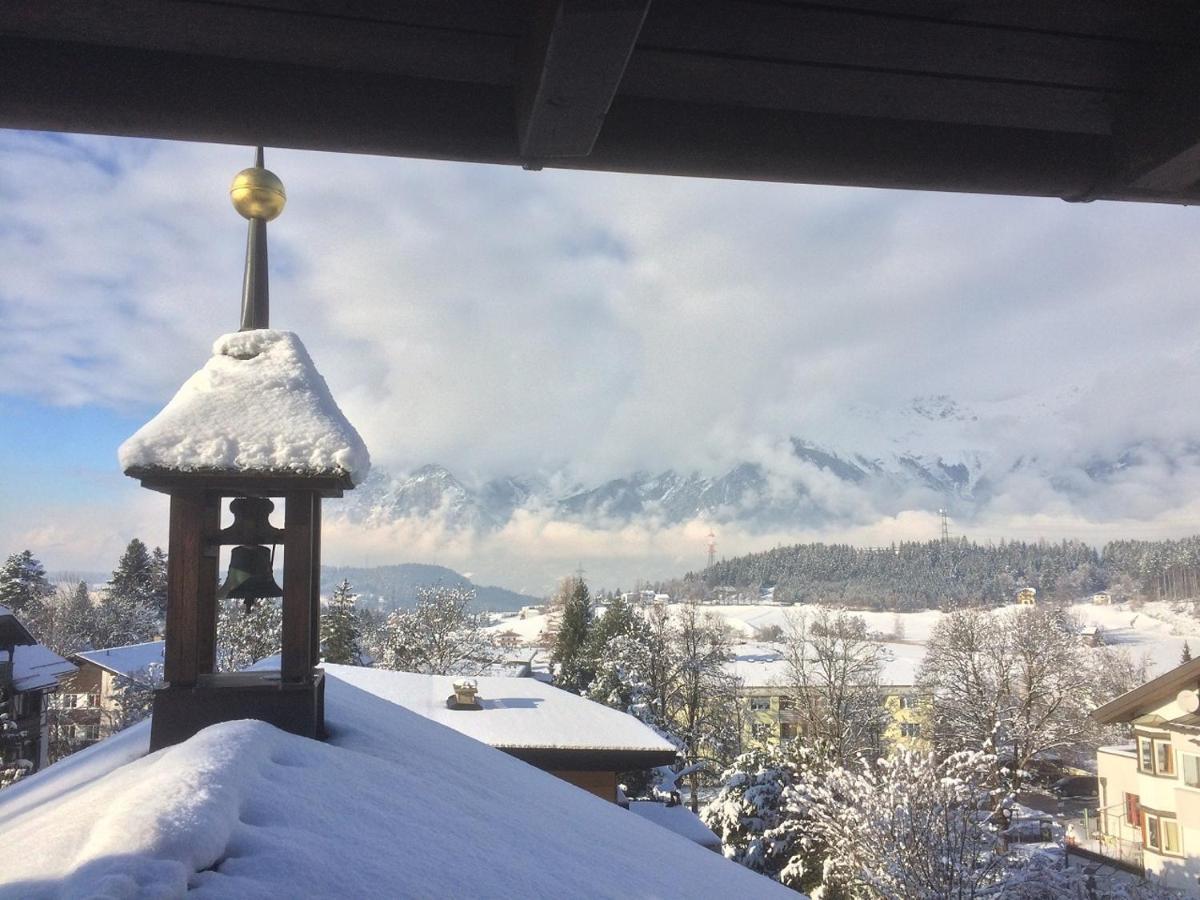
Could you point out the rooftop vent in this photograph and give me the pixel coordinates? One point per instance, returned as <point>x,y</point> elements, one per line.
<point>464,696</point>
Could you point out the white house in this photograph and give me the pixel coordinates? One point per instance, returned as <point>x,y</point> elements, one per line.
<point>1150,788</point>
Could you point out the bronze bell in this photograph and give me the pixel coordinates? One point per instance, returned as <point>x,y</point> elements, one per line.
<point>250,575</point>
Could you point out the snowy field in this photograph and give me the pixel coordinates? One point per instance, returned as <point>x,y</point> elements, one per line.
<point>1156,631</point>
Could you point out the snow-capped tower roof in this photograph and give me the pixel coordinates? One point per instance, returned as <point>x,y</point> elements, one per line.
<point>258,406</point>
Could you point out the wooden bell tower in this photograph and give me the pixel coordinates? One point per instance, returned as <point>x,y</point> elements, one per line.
<point>174,454</point>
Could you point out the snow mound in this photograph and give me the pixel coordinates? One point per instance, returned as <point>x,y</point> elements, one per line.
<point>393,805</point>
<point>258,405</point>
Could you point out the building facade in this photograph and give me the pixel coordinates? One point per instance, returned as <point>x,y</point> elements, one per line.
<point>1150,788</point>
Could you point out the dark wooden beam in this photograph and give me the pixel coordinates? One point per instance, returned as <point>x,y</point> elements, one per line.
<point>1158,134</point>
<point>185,550</point>
<point>296,660</point>
<point>569,71</point>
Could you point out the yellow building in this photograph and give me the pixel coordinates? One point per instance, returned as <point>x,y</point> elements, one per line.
<point>1027,596</point>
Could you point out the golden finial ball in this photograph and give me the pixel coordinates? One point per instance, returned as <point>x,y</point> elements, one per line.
<point>257,193</point>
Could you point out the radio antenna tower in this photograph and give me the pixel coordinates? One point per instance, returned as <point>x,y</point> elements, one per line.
<point>712,548</point>
<point>945,524</point>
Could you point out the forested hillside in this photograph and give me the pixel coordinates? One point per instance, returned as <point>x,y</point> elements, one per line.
<point>942,574</point>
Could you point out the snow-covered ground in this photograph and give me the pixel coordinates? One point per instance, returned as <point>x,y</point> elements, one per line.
<point>392,805</point>
<point>1156,631</point>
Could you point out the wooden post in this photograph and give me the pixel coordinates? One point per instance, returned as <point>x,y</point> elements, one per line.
<point>315,625</point>
<point>206,586</point>
<point>184,548</point>
<point>296,663</point>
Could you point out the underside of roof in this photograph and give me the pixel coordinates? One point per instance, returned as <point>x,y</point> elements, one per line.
<point>1032,97</point>
<point>1154,693</point>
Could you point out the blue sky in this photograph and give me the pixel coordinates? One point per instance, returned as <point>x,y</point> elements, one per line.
<point>499,321</point>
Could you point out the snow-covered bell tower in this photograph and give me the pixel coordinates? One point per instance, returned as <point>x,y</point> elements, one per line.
<point>256,424</point>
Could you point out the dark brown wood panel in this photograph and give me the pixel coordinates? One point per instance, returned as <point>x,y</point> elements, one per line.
<point>185,547</point>
<point>1175,22</point>
<point>815,34</point>
<point>235,31</point>
<point>296,662</point>
<point>855,92</point>
<point>206,586</point>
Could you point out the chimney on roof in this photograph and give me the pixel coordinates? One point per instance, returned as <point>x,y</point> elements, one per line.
<point>464,696</point>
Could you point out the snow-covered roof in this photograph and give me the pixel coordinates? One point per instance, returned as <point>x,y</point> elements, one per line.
<point>128,660</point>
<point>393,805</point>
<point>36,667</point>
<point>517,712</point>
<point>763,664</point>
<point>677,818</point>
<point>258,405</point>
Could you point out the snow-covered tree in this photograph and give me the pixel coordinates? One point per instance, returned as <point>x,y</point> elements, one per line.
<point>833,679</point>
<point>133,696</point>
<point>128,612</point>
<point>158,582</point>
<point>570,657</point>
<point>909,827</point>
<point>23,582</point>
<point>339,627</point>
<point>246,635</point>
<point>439,636</point>
<point>756,829</point>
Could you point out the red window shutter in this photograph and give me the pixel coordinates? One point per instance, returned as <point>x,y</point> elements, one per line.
<point>1133,810</point>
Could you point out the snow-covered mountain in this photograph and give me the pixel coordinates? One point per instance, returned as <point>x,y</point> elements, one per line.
<point>932,452</point>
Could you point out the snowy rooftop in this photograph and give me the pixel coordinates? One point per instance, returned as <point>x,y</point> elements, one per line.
<point>517,712</point>
<point>678,819</point>
<point>258,405</point>
<point>762,664</point>
<point>128,660</point>
<point>36,667</point>
<point>392,805</point>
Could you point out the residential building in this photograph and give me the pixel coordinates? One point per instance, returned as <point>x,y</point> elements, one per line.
<point>29,675</point>
<point>571,737</point>
<point>1027,596</point>
<point>1150,788</point>
<point>1102,598</point>
<point>768,694</point>
<point>87,704</point>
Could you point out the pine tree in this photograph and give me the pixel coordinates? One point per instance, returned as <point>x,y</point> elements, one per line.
<point>570,647</point>
<point>128,611</point>
<point>1187,654</point>
<point>78,620</point>
<point>158,582</point>
<point>339,628</point>
<point>23,582</point>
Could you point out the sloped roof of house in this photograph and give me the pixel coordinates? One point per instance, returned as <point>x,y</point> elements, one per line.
<point>393,804</point>
<point>677,818</point>
<point>258,406</point>
<point>35,666</point>
<point>517,714</point>
<point>129,660</point>
<point>1152,694</point>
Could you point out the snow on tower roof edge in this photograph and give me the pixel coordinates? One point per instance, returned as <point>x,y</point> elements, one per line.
<point>258,405</point>
<point>392,805</point>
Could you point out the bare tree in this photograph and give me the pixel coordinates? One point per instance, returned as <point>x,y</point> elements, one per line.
<point>833,677</point>
<point>1019,682</point>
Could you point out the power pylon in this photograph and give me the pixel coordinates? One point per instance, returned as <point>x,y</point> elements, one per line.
<point>712,548</point>
<point>945,524</point>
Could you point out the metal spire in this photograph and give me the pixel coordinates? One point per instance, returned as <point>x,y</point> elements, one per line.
<point>258,195</point>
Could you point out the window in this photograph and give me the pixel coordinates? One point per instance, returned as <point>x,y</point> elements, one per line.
<point>1155,756</point>
<point>787,703</point>
<point>910,729</point>
<point>1133,810</point>
<point>1190,763</point>
<point>1162,835</point>
<point>905,702</point>
<point>760,704</point>
<point>87,732</point>
<point>1164,762</point>
<point>787,731</point>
